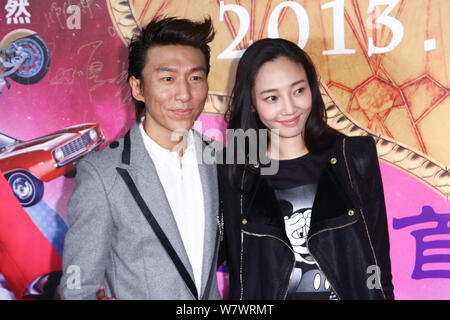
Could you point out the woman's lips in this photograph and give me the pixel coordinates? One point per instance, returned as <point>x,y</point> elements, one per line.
<point>290,123</point>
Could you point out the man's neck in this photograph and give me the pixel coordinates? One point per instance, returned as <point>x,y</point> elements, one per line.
<point>169,140</point>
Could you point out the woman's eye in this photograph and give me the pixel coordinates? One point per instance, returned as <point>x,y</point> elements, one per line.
<point>299,90</point>
<point>271,99</point>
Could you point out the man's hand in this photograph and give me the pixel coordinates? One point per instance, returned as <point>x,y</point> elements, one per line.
<point>101,294</point>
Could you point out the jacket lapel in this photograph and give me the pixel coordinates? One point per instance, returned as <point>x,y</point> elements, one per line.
<point>208,177</point>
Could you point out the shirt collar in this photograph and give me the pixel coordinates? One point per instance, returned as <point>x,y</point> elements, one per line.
<point>159,153</point>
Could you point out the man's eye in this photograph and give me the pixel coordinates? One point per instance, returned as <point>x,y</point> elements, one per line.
<point>167,79</point>
<point>196,78</point>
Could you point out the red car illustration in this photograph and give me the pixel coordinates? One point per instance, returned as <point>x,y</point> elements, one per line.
<point>27,164</point>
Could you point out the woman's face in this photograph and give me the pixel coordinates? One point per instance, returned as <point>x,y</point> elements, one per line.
<point>282,97</point>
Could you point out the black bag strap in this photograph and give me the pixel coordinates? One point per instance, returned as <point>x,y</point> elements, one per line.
<point>158,231</point>
<point>126,149</point>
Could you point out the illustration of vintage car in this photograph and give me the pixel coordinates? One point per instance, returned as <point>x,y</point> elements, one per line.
<point>27,164</point>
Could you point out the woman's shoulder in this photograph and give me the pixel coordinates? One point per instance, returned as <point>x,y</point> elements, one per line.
<point>361,139</point>
<point>361,152</point>
<point>360,143</point>
<point>359,149</point>
<point>354,143</point>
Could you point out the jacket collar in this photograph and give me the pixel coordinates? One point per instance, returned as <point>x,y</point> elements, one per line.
<point>332,193</point>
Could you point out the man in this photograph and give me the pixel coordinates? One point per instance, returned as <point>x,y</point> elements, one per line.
<point>143,215</point>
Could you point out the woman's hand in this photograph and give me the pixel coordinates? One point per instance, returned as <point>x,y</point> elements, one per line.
<point>101,294</point>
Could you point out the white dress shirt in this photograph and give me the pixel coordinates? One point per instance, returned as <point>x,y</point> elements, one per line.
<point>184,192</point>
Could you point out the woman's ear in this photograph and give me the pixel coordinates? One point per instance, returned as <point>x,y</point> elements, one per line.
<point>252,108</point>
<point>136,89</point>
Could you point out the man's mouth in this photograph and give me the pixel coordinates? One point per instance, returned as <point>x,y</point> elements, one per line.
<point>182,112</point>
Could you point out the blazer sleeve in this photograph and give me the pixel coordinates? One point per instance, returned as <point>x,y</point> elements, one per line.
<point>88,240</point>
<point>367,179</point>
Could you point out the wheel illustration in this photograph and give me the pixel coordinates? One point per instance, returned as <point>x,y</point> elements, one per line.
<point>27,188</point>
<point>36,65</point>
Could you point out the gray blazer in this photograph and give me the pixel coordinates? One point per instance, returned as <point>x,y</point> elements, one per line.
<point>109,241</point>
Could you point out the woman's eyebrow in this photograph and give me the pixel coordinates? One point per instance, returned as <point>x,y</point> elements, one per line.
<point>297,82</point>
<point>267,91</point>
<point>273,90</point>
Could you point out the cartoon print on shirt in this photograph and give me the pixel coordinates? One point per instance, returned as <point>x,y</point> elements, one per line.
<point>296,204</point>
<point>296,207</point>
<point>297,228</point>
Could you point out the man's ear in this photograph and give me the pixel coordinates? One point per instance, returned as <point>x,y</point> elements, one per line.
<point>136,89</point>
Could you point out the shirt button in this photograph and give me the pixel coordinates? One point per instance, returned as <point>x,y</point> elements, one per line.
<point>333,160</point>
<point>351,212</point>
<point>256,165</point>
<point>244,221</point>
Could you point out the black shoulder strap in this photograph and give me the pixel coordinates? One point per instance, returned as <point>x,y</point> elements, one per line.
<point>158,231</point>
<point>126,149</point>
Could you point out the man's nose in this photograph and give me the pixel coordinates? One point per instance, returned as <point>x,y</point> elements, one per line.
<point>183,90</point>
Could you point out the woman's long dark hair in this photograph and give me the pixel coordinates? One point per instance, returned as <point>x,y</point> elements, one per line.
<point>318,135</point>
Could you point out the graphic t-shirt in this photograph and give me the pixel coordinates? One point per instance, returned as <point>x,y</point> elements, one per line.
<point>295,187</point>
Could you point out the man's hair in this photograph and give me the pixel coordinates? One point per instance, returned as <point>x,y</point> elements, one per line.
<point>163,32</point>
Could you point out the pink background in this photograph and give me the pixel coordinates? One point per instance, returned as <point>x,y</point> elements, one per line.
<point>405,197</point>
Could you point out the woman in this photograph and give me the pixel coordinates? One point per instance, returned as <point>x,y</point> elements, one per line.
<point>317,228</point>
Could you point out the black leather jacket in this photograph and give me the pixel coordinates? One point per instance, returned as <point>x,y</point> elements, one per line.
<point>348,234</point>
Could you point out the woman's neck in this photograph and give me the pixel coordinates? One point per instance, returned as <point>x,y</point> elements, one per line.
<point>288,148</point>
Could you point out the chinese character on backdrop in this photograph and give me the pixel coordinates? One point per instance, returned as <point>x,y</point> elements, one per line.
<point>17,12</point>
<point>435,241</point>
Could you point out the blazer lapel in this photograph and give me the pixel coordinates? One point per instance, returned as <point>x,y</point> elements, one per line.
<point>208,177</point>
<point>143,172</point>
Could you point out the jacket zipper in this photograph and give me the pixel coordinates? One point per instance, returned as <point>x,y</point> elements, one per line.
<point>267,235</point>
<point>242,245</point>
<point>307,246</point>
<point>242,236</point>
<point>293,254</point>
<point>362,215</point>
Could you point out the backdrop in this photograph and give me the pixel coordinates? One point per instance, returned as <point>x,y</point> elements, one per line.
<point>384,68</point>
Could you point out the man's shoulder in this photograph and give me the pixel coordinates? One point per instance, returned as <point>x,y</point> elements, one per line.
<point>212,149</point>
<point>106,159</point>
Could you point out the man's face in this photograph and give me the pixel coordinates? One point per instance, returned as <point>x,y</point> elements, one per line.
<point>174,89</point>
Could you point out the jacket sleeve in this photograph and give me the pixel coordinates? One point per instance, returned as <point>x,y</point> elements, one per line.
<point>367,180</point>
<point>88,239</point>
<point>230,245</point>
